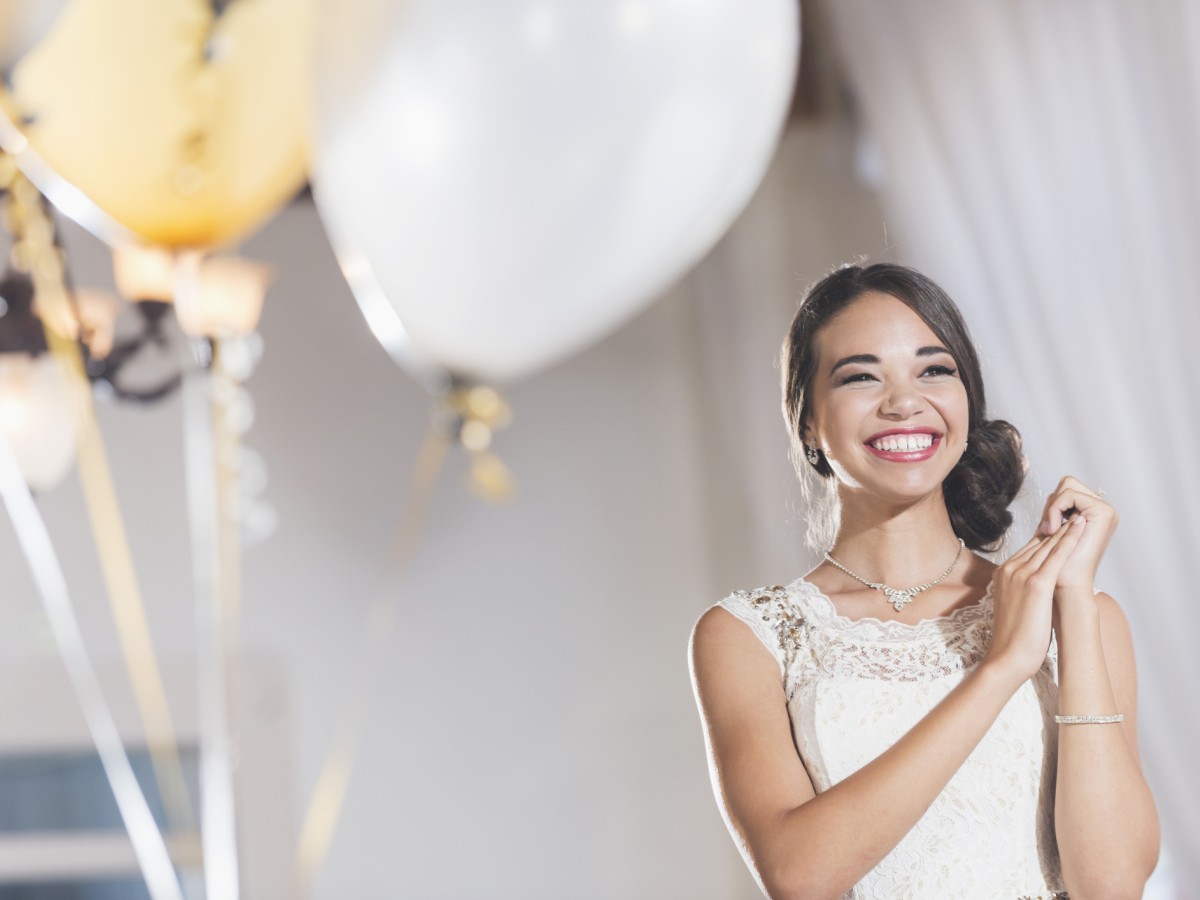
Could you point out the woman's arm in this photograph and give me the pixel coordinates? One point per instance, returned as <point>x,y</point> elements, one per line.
<point>1104,815</point>
<point>800,844</point>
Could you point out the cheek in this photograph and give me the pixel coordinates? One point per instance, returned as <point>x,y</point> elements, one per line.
<point>833,418</point>
<point>845,417</point>
<point>953,404</point>
<point>958,420</point>
<point>963,405</point>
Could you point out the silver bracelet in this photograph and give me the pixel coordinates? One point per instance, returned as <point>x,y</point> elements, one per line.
<point>1089,720</point>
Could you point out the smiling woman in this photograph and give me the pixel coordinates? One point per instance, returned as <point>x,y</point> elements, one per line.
<point>929,355</point>
<point>888,725</point>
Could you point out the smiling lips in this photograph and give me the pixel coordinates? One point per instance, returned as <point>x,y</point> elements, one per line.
<point>905,445</point>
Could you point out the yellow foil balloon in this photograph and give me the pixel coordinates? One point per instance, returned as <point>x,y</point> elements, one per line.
<point>184,127</point>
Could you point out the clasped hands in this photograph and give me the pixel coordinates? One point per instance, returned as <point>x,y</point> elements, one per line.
<point>1051,578</point>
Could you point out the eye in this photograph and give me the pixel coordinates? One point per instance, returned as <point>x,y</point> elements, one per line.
<point>859,377</point>
<point>939,371</point>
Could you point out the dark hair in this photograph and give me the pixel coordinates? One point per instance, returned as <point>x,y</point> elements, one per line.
<point>981,486</point>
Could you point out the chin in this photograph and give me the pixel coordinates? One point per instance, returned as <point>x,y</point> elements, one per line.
<point>904,493</point>
<point>904,488</point>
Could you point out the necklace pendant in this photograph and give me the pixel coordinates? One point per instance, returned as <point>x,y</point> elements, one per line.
<point>898,599</point>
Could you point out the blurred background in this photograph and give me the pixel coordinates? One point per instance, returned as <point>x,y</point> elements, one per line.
<point>303,607</point>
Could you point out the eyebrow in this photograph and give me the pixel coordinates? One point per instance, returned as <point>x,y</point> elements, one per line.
<point>872,359</point>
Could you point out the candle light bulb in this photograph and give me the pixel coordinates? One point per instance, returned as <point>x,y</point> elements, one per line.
<point>38,416</point>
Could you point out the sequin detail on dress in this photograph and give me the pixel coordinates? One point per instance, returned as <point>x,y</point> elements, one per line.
<point>776,610</point>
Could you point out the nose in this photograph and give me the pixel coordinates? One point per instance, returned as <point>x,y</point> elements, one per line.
<point>901,401</point>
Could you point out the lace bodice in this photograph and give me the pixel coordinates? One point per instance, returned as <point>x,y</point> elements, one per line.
<point>855,687</point>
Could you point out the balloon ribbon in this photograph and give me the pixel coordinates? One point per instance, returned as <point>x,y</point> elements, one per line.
<point>34,250</point>
<point>468,415</point>
<point>325,805</point>
<point>214,571</point>
<point>148,844</point>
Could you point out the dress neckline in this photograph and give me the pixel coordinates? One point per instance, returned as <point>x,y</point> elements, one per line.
<point>824,605</point>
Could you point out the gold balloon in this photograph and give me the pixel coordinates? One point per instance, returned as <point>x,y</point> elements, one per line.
<point>185,128</point>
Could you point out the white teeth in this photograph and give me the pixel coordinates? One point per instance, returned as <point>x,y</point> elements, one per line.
<point>903,442</point>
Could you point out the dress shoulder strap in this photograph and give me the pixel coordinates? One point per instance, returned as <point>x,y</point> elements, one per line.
<point>774,619</point>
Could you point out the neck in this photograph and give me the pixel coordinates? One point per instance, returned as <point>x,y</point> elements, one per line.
<point>897,544</point>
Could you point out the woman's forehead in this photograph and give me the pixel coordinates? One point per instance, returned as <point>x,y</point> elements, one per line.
<point>876,324</point>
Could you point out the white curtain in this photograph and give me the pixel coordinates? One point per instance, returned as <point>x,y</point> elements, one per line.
<point>1039,160</point>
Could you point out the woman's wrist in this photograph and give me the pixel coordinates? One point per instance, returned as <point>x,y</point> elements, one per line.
<point>1075,601</point>
<point>1076,619</point>
<point>1002,674</point>
<point>1077,589</point>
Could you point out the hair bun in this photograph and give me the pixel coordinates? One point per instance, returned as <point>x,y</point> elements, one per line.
<point>985,482</point>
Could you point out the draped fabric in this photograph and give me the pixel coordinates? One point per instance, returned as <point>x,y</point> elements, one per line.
<point>1039,161</point>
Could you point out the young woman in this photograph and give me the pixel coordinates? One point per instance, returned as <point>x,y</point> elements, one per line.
<point>909,720</point>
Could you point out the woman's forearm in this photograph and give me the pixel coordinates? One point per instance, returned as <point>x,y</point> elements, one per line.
<point>1104,815</point>
<point>833,840</point>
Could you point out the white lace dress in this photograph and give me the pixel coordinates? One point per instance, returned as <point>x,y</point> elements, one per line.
<point>855,687</point>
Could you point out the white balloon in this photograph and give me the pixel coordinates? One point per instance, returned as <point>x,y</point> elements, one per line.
<point>39,417</point>
<point>507,180</point>
<point>22,24</point>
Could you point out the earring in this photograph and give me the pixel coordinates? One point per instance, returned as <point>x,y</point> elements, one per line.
<point>812,454</point>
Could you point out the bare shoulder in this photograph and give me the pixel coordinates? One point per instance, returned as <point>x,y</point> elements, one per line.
<point>756,773</point>
<point>722,642</point>
<point>717,624</point>
<point>1111,615</point>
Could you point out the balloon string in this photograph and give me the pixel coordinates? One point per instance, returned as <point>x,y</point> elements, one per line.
<point>226,452</point>
<point>24,205</point>
<point>325,804</point>
<point>203,430</point>
<point>144,834</point>
<point>67,198</point>
<point>129,612</point>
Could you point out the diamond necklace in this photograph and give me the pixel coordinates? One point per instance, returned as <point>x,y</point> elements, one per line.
<point>899,598</point>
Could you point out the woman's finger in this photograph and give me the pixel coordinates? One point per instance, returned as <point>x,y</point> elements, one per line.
<point>1065,483</point>
<point>1021,556</point>
<point>1048,544</point>
<point>1072,534</point>
<point>1056,506</point>
<point>1083,501</point>
<point>1033,543</point>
